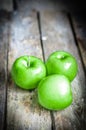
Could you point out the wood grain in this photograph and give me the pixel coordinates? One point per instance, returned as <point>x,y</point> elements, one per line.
<point>23,110</point>
<point>80,27</point>
<point>4,30</point>
<point>41,5</point>
<point>57,35</point>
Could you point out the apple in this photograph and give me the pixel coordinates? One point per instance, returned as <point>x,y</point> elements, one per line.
<point>54,92</point>
<point>62,62</point>
<point>27,71</point>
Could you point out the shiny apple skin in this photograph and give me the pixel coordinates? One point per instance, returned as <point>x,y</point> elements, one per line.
<point>55,92</point>
<point>62,62</point>
<point>27,71</point>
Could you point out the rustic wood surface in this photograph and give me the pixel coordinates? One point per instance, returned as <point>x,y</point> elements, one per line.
<point>39,5</point>
<point>57,35</point>
<point>80,27</point>
<point>59,5</point>
<point>23,110</point>
<point>39,33</point>
<point>4,29</point>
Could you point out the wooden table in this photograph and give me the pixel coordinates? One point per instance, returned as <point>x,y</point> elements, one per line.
<point>39,33</point>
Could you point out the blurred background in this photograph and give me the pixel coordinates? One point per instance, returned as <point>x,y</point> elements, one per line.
<point>73,7</point>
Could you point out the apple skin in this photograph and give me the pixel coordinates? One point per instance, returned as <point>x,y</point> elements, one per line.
<point>61,62</point>
<point>54,92</point>
<point>27,71</point>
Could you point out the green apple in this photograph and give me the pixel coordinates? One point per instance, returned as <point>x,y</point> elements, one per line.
<point>27,71</point>
<point>61,62</point>
<point>54,92</point>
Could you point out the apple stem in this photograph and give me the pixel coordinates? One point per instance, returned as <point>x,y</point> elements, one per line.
<point>28,63</point>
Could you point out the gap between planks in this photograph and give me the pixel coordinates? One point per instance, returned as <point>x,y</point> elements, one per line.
<point>4,34</point>
<point>23,110</point>
<point>78,29</point>
<point>57,35</point>
<point>79,39</point>
<point>52,39</point>
<point>41,40</point>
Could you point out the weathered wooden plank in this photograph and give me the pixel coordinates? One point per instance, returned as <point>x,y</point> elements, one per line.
<point>4,27</point>
<point>57,35</point>
<point>23,110</point>
<point>40,5</point>
<point>79,30</point>
<point>6,5</point>
<point>80,27</point>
